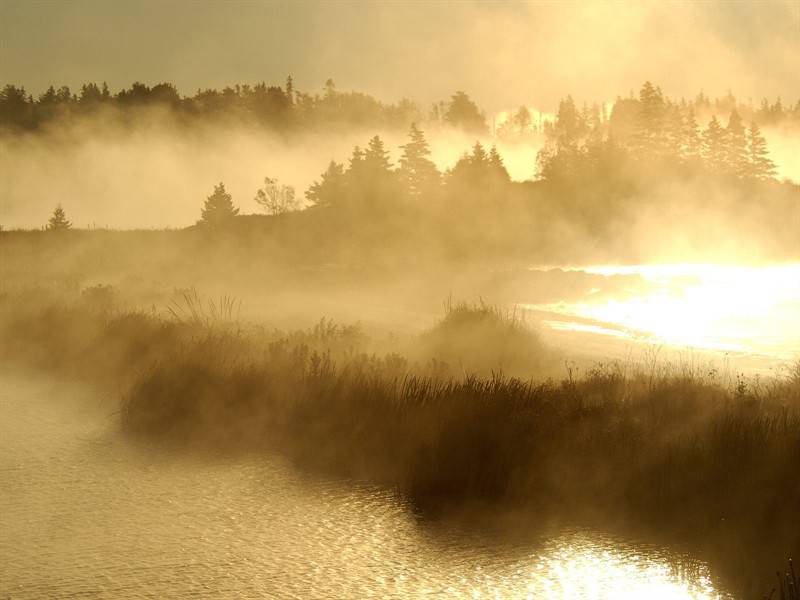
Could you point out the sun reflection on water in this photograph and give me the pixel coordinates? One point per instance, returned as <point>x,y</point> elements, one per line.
<point>728,308</point>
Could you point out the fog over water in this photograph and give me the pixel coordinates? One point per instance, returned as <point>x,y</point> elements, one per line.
<point>397,299</point>
<point>83,512</point>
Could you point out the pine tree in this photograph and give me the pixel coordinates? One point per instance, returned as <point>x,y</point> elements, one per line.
<point>652,112</point>
<point>498,169</point>
<point>290,89</point>
<point>760,165</point>
<point>417,171</point>
<point>330,189</point>
<point>674,131</point>
<point>568,124</point>
<point>736,159</point>
<point>356,161</point>
<point>58,221</point>
<point>218,207</point>
<point>478,158</point>
<point>376,158</point>
<point>714,146</point>
<point>691,142</point>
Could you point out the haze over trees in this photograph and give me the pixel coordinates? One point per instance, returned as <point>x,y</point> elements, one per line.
<point>285,109</point>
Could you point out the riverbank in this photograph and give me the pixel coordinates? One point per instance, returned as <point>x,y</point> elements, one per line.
<point>669,449</point>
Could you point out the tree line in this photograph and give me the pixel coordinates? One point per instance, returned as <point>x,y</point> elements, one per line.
<point>648,131</point>
<point>274,106</point>
<point>654,132</point>
<point>283,108</point>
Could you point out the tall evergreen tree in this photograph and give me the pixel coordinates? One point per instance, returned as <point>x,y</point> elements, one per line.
<point>290,89</point>
<point>568,124</point>
<point>736,159</point>
<point>760,165</point>
<point>356,163</point>
<point>714,146</point>
<point>496,166</point>
<point>692,143</point>
<point>651,121</point>
<point>218,208</point>
<point>58,221</point>
<point>417,171</point>
<point>376,158</point>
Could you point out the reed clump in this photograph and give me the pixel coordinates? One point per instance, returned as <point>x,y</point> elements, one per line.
<point>661,446</point>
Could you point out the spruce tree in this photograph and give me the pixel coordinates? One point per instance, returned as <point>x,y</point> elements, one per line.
<point>691,142</point>
<point>714,146</point>
<point>58,221</point>
<point>376,158</point>
<point>736,155</point>
<point>218,207</point>
<point>498,169</point>
<point>417,171</point>
<point>760,165</point>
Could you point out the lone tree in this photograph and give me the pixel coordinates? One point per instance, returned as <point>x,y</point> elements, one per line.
<point>276,198</point>
<point>218,207</point>
<point>58,222</point>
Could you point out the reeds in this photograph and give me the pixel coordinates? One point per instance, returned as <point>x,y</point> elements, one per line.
<point>662,446</point>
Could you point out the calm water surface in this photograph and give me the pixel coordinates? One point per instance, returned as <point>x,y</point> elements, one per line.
<point>85,514</point>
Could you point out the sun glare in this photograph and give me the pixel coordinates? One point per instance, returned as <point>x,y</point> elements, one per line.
<point>727,308</point>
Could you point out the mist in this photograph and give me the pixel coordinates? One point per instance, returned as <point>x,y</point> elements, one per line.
<point>354,299</point>
<point>155,174</point>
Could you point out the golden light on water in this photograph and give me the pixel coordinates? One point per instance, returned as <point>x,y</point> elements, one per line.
<point>728,308</point>
<point>588,565</point>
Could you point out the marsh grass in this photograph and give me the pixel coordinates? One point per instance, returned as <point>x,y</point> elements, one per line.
<point>788,585</point>
<point>673,447</point>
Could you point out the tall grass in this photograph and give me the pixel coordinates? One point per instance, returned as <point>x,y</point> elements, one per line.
<point>670,448</point>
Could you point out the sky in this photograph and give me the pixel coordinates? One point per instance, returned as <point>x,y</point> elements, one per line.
<point>502,53</point>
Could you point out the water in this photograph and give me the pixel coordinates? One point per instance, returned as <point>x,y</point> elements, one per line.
<point>86,514</point>
<point>736,310</point>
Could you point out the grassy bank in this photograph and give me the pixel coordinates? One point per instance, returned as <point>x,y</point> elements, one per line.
<point>670,448</point>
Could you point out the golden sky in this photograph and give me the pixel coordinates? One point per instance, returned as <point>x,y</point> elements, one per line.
<point>503,53</point>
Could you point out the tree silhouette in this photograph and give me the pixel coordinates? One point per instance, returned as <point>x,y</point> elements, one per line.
<point>276,198</point>
<point>417,171</point>
<point>522,119</point>
<point>218,207</point>
<point>736,155</point>
<point>760,165</point>
<point>496,166</point>
<point>58,221</point>
<point>463,113</point>
<point>714,146</point>
<point>330,189</point>
<point>376,158</point>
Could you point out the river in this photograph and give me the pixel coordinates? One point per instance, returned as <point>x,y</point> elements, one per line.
<point>748,314</point>
<point>85,513</point>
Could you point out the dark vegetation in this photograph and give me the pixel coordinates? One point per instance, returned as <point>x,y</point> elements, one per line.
<point>671,448</point>
<point>284,108</point>
<point>643,182</point>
